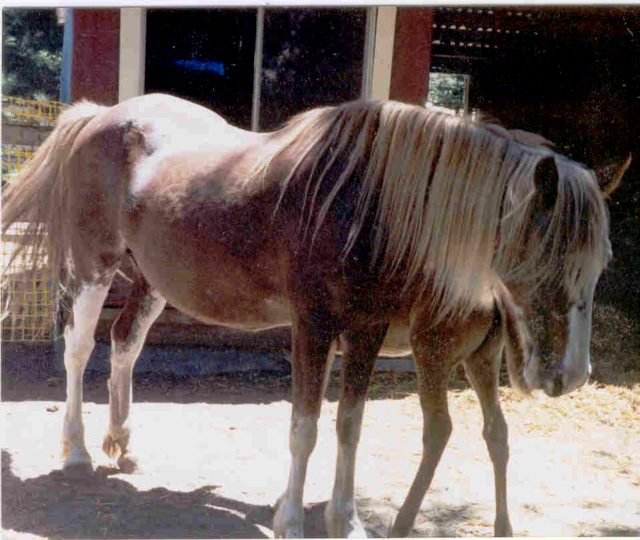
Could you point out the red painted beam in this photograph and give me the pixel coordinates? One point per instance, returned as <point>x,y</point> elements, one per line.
<point>411,55</point>
<point>96,55</point>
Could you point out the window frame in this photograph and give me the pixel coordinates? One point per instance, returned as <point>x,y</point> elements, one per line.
<point>133,39</point>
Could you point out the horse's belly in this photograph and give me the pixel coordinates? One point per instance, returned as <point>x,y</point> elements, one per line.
<point>396,342</point>
<point>215,289</point>
<point>234,311</point>
<point>209,265</point>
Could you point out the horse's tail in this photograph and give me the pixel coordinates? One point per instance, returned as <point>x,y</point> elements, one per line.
<point>37,197</point>
<point>518,343</point>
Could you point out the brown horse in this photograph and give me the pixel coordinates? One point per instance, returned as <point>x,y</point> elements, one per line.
<point>357,222</point>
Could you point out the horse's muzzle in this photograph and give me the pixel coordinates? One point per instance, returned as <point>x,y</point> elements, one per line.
<point>553,385</point>
<point>555,380</point>
<point>558,380</point>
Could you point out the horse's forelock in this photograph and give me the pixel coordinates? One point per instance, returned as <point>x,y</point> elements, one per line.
<point>584,221</point>
<point>575,236</point>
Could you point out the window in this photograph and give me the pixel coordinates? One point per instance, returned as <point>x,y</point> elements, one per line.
<point>311,57</point>
<point>308,57</point>
<point>449,91</point>
<point>204,55</point>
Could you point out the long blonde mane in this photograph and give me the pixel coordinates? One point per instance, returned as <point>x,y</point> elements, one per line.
<point>453,198</point>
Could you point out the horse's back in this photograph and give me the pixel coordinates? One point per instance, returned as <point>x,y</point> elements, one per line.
<point>149,139</point>
<point>164,179</point>
<point>169,116</point>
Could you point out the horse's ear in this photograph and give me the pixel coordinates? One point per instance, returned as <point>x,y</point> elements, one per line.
<point>546,182</point>
<point>609,183</point>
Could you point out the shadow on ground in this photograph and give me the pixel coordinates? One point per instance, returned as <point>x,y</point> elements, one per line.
<point>103,506</point>
<point>52,505</point>
<point>32,373</point>
<point>619,531</point>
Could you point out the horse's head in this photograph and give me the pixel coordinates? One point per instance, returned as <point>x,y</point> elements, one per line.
<point>559,319</point>
<point>564,250</point>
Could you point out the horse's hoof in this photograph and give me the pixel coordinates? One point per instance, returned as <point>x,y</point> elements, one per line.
<point>110,446</point>
<point>287,526</point>
<point>78,470</point>
<point>77,464</point>
<point>400,530</point>
<point>113,445</point>
<point>502,529</point>
<point>343,525</point>
<point>128,464</point>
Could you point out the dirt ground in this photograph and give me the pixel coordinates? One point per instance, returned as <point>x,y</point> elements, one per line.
<point>214,454</point>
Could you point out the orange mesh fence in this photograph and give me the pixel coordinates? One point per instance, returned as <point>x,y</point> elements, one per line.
<point>14,157</point>
<point>28,299</point>
<point>30,111</point>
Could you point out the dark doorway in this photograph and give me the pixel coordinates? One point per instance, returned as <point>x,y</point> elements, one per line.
<point>311,57</point>
<point>204,55</point>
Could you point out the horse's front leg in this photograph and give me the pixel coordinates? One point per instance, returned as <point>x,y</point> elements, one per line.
<point>360,350</point>
<point>128,334</point>
<point>436,351</point>
<point>483,370</point>
<point>432,380</point>
<point>313,350</point>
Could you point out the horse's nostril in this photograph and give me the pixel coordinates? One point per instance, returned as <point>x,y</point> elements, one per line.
<point>554,388</point>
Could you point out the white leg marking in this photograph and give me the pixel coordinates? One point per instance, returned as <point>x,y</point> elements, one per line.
<point>532,372</point>
<point>576,364</point>
<point>341,516</point>
<point>123,357</point>
<point>289,519</point>
<point>79,343</point>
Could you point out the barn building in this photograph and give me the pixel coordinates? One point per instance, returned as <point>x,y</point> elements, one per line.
<point>571,74</point>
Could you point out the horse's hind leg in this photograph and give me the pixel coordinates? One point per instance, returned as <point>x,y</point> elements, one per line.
<point>312,355</point>
<point>79,342</point>
<point>483,370</point>
<point>360,350</point>
<point>128,334</point>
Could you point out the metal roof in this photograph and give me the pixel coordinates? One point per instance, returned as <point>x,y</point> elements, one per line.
<point>488,33</point>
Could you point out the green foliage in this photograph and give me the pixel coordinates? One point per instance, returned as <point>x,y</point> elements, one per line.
<point>31,53</point>
<point>446,90</point>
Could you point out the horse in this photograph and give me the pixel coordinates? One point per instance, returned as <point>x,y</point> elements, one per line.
<point>377,225</point>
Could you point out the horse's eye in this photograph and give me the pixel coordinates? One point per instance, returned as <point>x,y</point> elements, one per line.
<point>560,317</point>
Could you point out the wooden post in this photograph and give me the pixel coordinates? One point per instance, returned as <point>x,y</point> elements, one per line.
<point>96,51</point>
<point>383,52</point>
<point>411,55</point>
<point>133,28</point>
